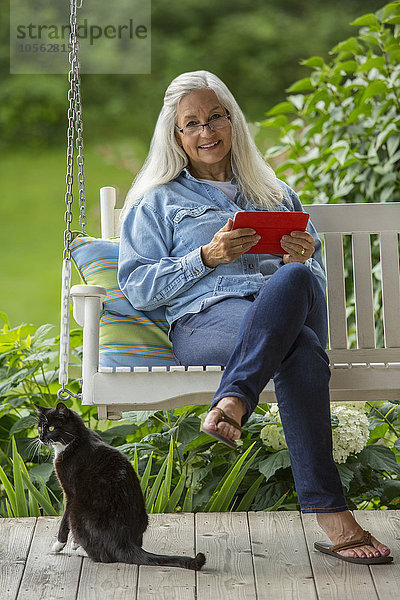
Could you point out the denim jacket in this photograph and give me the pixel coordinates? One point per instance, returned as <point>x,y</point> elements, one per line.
<point>160,261</point>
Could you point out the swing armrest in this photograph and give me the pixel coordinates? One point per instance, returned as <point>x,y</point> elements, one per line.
<point>87,303</point>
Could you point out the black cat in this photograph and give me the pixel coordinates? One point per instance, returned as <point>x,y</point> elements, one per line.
<point>104,505</point>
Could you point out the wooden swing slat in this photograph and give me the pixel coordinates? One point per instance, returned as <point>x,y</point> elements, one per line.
<point>389,245</point>
<point>363,295</point>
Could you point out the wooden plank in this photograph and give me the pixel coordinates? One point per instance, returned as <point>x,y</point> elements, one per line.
<point>348,218</point>
<point>336,579</point>
<point>224,538</point>
<point>385,526</point>
<point>49,575</point>
<point>168,534</point>
<point>336,296</point>
<point>390,288</point>
<point>363,294</point>
<point>111,581</point>
<point>16,537</point>
<point>282,566</point>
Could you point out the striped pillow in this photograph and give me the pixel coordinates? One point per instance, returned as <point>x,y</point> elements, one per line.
<point>128,337</point>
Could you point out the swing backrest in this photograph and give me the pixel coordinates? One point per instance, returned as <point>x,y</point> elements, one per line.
<point>369,225</point>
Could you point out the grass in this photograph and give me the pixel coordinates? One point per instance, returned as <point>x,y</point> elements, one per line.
<point>32,221</point>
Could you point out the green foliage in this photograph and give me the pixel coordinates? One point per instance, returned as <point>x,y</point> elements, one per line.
<point>24,498</point>
<point>339,127</point>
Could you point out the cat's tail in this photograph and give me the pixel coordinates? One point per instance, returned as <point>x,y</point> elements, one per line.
<point>141,557</point>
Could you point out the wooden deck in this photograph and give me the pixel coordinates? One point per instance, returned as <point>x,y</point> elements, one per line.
<point>250,556</point>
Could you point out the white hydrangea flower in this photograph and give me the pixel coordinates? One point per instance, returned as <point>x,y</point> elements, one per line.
<point>350,436</point>
<point>359,406</point>
<point>272,436</point>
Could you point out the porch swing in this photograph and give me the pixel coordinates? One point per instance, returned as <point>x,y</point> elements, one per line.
<point>135,376</point>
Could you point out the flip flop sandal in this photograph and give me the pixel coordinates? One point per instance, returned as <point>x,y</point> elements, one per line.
<point>218,436</point>
<point>366,540</point>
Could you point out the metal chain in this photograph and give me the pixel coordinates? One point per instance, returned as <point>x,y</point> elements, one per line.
<point>79,140</point>
<point>74,124</point>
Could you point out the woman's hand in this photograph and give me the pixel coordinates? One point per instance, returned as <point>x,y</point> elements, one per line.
<point>227,245</point>
<point>299,246</point>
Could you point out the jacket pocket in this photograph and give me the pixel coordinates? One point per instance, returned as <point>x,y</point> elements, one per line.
<point>193,211</point>
<point>241,284</point>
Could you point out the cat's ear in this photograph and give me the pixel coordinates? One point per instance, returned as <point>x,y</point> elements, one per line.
<point>39,408</point>
<point>61,408</point>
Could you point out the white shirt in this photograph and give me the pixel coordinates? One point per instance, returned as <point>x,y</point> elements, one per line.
<point>225,186</point>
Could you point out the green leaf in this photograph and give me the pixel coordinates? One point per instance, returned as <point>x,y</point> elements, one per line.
<point>278,503</point>
<point>277,460</point>
<point>144,480</point>
<point>301,85</point>
<point>349,46</point>
<point>119,431</point>
<point>220,500</point>
<point>188,503</point>
<point>374,62</point>
<point>41,334</point>
<point>164,493</point>
<point>316,62</point>
<point>177,493</point>
<point>392,143</point>
<point>22,507</point>
<point>369,20</point>
<point>391,489</point>
<point>282,107</point>
<point>140,416</point>
<point>156,487</point>
<point>346,475</point>
<point>390,8</point>
<point>34,510</point>
<point>379,458</point>
<point>42,472</point>
<point>9,491</point>
<point>348,66</point>
<point>23,423</point>
<point>393,20</point>
<point>277,121</point>
<point>374,89</point>
<point>247,500</point>
<point>48,508</point>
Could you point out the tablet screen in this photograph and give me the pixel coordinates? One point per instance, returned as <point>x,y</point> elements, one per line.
<point>271,226</point>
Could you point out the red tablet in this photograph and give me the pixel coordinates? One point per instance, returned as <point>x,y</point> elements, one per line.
<point>271,226</point>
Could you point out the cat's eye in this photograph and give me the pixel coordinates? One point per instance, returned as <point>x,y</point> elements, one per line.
<point>51,428</point>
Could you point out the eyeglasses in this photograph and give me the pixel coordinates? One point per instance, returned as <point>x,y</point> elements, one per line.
<point>214,124</point>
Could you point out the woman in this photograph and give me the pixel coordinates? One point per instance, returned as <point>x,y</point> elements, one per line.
<point>262,316</point>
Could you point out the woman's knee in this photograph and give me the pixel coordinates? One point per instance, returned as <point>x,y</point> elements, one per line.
<point>307,352</point>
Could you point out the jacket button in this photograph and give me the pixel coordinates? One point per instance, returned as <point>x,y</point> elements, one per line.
<point>196,271</point>
<point>251,266</point>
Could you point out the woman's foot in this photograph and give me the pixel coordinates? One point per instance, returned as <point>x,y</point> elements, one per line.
<point>234,408</point>
<point>342,527</point>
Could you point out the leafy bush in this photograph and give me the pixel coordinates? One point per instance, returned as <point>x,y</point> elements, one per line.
<point>343,143</point>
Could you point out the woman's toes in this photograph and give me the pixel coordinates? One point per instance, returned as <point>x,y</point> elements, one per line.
<point>211,420</point>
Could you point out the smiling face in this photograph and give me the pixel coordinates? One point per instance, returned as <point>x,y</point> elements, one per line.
<point>208,151</point>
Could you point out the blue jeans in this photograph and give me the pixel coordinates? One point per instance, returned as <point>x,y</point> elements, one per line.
<point>279,333</point>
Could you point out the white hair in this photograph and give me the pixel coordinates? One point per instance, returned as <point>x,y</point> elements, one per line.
<point>166,159</point>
